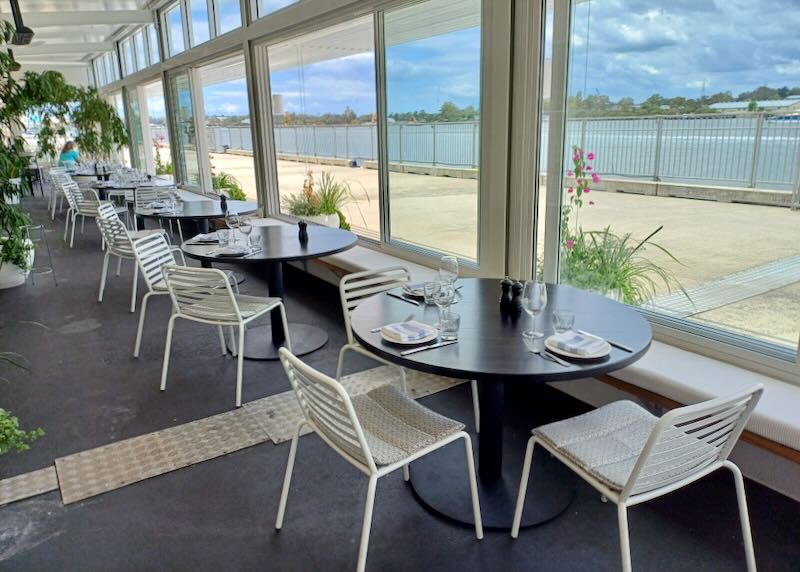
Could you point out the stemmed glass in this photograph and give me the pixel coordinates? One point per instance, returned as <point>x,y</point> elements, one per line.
<point>246,227</point>
<point>232,220</point>
<point>534,300</point>
<point>448,269</point>
<point>443,297</point>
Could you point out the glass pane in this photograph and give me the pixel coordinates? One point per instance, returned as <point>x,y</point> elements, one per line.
<point>696,128</point>
<point>230,142</point>
<point>433,59</point>
<point>323,99</point>
<point>175,30</point>
<point>269,6</point>
<point>99,72</point>
<point>550,110</point>
<point>198,15</point>
<point>157,118</point>
<point>229,15</point>
<point>135,128</point>
<point>119,105</point>
<point>141,56</point>
<point>152,40</point>
<point>128,66</point>
<point>110,63</point>
<point>186,148</point>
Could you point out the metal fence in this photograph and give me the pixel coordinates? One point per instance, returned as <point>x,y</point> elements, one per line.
<point>746,150</point>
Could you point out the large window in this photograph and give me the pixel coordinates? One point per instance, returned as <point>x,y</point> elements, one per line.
<point>324,116</point>
<point>141,51</point>
<point>266,7</point>
<point>135,134</point>
<point>173,24</point>
<point>433,59</point>
<point>694,118</point>
<point>152,44</point>
<point>128,59</point>
<point>199,22</point>
<point>156,119</point>
<point>186,161</point>
<point>227,127</point>
<point>229,15</point>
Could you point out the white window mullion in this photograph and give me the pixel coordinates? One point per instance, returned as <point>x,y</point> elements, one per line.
<point>201,138</point>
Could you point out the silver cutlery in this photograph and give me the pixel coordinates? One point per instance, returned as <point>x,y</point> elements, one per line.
<point>428,347</point>
<point>403,298</point>
<point>253,253</point>
<point>554,358</point>
<point>618,345</point>
<point>379,328</point>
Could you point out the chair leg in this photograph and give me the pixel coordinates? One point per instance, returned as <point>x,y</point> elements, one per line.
<point>285,327</point>
<point>142,312</point>
<point>119,265</point>
<point>476,405</point>
<point>222,345</point>
<point>66,226</point>
<point>135,284</point>
<point>165,367</point>
<point>83,223</point>
<point>523,487</point>
<point>340,363</point>
<point>103,277</point>
<point>180,230</point>
<point>239,367</point>
<point>406,473</point>
<point>744,518</point>
<point>624,538</point>
<point>287,478</point>
<point>367,524</point>
<point>232,337</point>
<point>74,222</point>
<point>473,487</point>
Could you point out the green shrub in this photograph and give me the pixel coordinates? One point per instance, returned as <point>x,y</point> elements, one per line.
<point>230,184</point>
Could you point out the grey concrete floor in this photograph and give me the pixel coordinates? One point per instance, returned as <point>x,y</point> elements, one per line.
<point>85,389</point>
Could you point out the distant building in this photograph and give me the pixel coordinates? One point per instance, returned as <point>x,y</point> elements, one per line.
<point>788,104</point>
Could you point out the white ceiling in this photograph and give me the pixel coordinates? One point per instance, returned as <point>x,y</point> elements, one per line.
<point>69,33</point>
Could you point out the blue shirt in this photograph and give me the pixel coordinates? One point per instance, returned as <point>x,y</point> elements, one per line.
<point>71,155</point>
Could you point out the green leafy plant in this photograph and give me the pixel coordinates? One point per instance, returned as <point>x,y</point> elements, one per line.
<point>603,261</point>
<point>12,438</point>
<point>230,184</point>
<point>162,168</point>
<point>331,197</point>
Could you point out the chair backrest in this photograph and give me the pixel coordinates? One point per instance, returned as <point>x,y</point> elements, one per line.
<point>687,440</point>
<point>114,233</point>
<point>145,195</point>
<point>201,294</point>
<point>327,407</point>
<point>152,252</point>
<point>71,191</point>
<point>353,288</point>
<point>107,210</point>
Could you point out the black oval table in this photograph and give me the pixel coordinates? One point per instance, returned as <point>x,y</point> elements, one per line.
<point>491,351</point>
<point>200,211</point>
<point>279,244</point>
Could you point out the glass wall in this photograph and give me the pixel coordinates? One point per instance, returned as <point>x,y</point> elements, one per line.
<point>128,61</point>
<point>266,7</point>
<point>136,144</point>
<point>157,127</point>
<point>173,23</point>
<point>118,103</point>
<point>186,161</point>
<point>141,52</point>
<point>677,112</point>
<point>324,116</point>
<point>227,127</point>
<point>433,62</point>
<point>198,21</point>
<point>229,15</point>
<point>152,44</point>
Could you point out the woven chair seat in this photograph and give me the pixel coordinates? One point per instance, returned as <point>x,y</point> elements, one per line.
<point>252,305</point>
<point>395,426</point>
<point>607,442</point>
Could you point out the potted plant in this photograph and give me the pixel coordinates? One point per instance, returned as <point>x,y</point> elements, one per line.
<point>229,185</point>
<point>323,206</point>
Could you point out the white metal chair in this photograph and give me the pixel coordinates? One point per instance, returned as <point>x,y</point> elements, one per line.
<point>357,286</point>
<point>630,456</point>
<point>55,177</point>
<point>153,251</point>
<point>118,241</point>
<point>81,204</point>
<point>146,195</point>
<point>204,295</point>
<point>377,433</point>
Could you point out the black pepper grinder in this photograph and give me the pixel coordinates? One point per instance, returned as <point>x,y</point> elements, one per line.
<point>223,205</point>
<point>505,296</point>
<point>303,233</point>
<point>516,299</point>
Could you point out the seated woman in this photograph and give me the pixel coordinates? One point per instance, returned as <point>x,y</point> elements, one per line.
<point>69,155</point>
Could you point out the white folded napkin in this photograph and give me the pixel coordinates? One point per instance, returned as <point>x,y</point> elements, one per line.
<point>210,237</point>
<point>407,331</point>
<point>576,343</point>
<point>414,287</point>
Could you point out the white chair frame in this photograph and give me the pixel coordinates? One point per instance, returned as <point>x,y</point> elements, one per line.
<point>146,194</point>
<point>337,421</point>
<point>187,287</point>
<point>355,287</point>
<point>717,423</point>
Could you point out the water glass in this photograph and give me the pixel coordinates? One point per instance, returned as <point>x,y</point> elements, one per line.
<point>534,300</point>
<point>430,289</point>
<point>444,297</point>
<point>254,240</point>
<point>245,226</point>
<point>534,341</point>
<point>448,326</point>
<point>224,236</point>
<point>448,268</point>
<point>563,321</point>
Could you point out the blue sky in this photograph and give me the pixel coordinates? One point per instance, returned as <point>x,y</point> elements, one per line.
<point>632,47</point>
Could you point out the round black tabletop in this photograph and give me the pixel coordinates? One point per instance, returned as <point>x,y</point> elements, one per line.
<point>108,185</point>
<point>280,243</point>
<point>490,347</point>
<point>199,210</point>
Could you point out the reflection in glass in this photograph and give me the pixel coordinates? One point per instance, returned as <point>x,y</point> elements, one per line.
<point>175,30</point>
<point>186,160</point>
<point>229,15</point>
<point>433,59</point>
<point>198,17</point>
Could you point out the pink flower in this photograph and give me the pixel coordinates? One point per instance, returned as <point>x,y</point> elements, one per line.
<point>591,203</point>
<point>570,174</point>
<point>570,190</point>
<point>595,178</point>
<point>590,156</point>
<point>569,244</point>
<point>586,190</point>
<point>588,167</point>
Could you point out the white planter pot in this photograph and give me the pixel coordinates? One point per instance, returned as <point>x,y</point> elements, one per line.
<point>12,275</point>
<point>324,220</point>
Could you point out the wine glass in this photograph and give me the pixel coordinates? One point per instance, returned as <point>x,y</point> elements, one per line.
<point>443,297</point>
<point>246,227</point>
<point>232,220</point>
<point>448,268</point>
<point>534,300</point>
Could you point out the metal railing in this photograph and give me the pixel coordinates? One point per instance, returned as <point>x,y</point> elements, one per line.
<point>756,150</point>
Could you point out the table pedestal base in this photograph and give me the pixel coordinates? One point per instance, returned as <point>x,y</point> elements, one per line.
<point>440,482</point>
<point>258,342</point>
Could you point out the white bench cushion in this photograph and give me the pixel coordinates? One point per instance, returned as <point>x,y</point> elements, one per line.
<point>688,378</point>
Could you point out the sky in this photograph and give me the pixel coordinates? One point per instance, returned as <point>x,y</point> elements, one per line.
<point>631,48</point>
